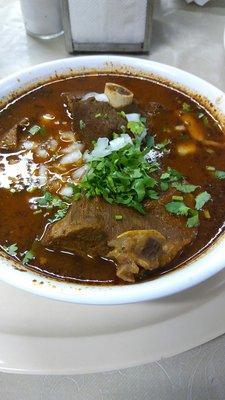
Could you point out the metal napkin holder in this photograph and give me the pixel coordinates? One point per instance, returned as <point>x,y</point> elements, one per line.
<point>76,47</point>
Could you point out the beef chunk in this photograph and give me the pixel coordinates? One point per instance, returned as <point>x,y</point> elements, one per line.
<point>9,139</point>
<point>93,119</point>
<point>148,241</point>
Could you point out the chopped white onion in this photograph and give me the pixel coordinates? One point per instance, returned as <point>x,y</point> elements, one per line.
<point>78,173</point>
<point>180,128</point>
<point>66,191</point>
<point>71,158</point>
<point>48,116</point>
<point>103,147</point>
<point>42,175</point>
<point>67,136</point>
<point>133,117</point>
<point>97,96</point>
<point>73,147</point>
<point>120,142</point>
<point>52,144</point>
<point>28,145</point>
<point>42,153</point>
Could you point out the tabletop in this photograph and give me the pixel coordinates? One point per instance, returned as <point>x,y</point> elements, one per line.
<point>189,37</point>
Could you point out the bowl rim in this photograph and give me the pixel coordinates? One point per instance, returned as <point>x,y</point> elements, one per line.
<point>192,272</point>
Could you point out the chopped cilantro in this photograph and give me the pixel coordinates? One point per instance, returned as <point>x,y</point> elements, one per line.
<point>58,215</point>
<point>12,249</point>
<point>150,142</point>
<point>217,173</point>
<point>118,217</point>
<point>220,174</point>
<point>136,127</point>
<point>193,220</point>
<point>184,187</point>
<point>172,175</point>
<point>186,107</point>
<point>205,121</point>
<point>161,146</point>
<point>82,124</point>
<point>164,186</point>
<point>29,256</point>
<point>121,114</point>
<point>177,207</point>
<point>121,177</point>
<point>37,129</point>
<point>177,198</point>
<point>201,200</point>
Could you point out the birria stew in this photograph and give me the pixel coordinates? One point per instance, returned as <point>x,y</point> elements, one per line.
<point>109,179</point>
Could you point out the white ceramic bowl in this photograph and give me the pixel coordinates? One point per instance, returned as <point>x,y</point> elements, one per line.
<point>197,270</point>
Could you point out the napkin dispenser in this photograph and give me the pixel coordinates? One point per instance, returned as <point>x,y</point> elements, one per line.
<point>107,25</point>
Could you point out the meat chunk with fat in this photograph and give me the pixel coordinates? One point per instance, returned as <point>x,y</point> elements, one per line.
<point>9,139</point>
<point>148,241</point>
<point>93,119</point>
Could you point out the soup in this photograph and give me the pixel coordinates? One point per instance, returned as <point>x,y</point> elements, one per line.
<point>109,179</point>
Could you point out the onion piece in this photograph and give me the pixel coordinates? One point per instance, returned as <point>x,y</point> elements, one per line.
<point>52,144</point>
<point>71,158</point>
<point>118,95</point>
<point>42,153</point>
<point>97,96</point>
<point>133,117</point>
<point>120,142</point>
<point>42,175</point>
<point>78,173</point>
<point>66,191</point>
<point>67,136</point>
<point>73,147</point>
<point>28,145</point>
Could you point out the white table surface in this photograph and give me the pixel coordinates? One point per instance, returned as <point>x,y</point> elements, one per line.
<point>189,37</point>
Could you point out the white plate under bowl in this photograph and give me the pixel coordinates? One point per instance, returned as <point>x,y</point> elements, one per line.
<point>42,336</point>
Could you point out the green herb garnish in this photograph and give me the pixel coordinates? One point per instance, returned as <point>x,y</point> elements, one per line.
<point>121,114</point>
<point>82,124</point>
<point>161,146</point>
<point>28,257</point>
<point>177,207</point>
<point>37,129</point>
<point>136,127</point>
<point>184,187</point>
<point>219,174</point>
<point>122,177</point>
<point>118,217</point>
<point>201,200</point>
<point>193,220</point>
<point>12,249</point>
<point>186,107</point>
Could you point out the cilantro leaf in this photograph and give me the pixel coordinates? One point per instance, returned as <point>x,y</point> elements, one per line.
<point>162,145</point>
<point>122,177</point>
<point>201,200</point>
<point>82,124</point>
<point>29,256</point>
<point>186,107</point>
<point>37,129</point>
<point>219,174</point>
<point>12,249</point>
<point>193,220</point>
<point>136,127</point>
<point>184,187</point>
<point>177,207</point>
